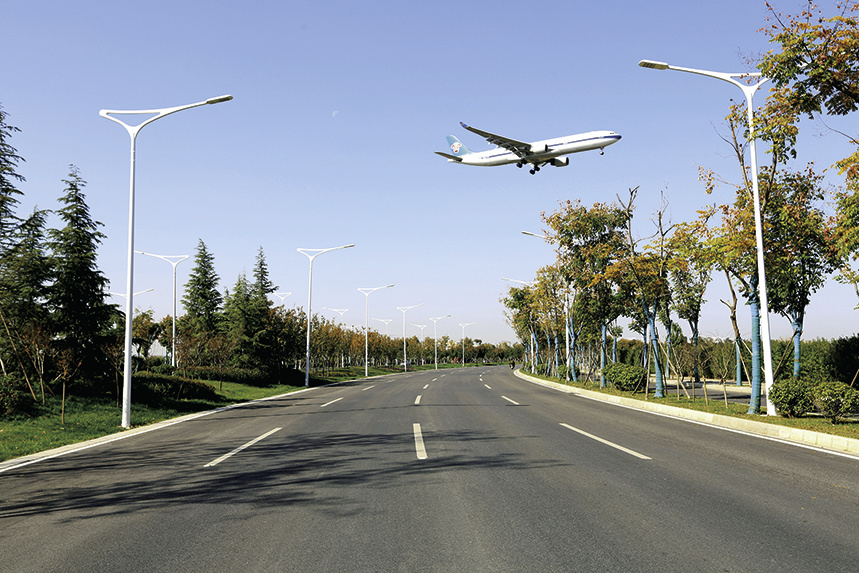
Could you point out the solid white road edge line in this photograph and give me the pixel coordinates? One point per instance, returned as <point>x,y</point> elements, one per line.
<point>606,442</point>
<point>331,402</point>
<point>419,442</point>
<point>511,401</point>
<point>240,448</point>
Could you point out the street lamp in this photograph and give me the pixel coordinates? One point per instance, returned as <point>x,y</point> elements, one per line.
<point>404,309</point>
<point>342,311</point>
<point>531,343</point>
<point>316,253</point>
<point>132,132</point>
<point>175,263</point>
<point>367,292</point>
<point>421,326</point>
<point>122,294</point>
<point>749,91</point>
<point>435,336</point>
<point>566,306</point>
<point>281,295</point>
<point>386,322</point>
<point>463,340</point>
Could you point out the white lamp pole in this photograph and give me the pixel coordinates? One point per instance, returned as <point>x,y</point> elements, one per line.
<point>132,132</point>
<point>421,326</point>
<point>531,342</point>
<point>566,305</point>
<point>310,257</point>
<point>749,91</point>
<point>463,340</point>
<point>342,311</point>
<point>173,260</point>
<point>435,336</point>
<point>405,358</point>
<point>386,322</point>
<point>367,292</point>
<point>122,294</point>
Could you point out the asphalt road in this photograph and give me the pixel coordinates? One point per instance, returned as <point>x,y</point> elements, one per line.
<point>451,470</point>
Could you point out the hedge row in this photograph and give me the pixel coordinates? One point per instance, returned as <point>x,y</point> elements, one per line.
<point>795,397</point>
<point>156,389</point>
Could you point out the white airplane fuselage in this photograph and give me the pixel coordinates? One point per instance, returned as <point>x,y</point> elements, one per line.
<point>543,151</point>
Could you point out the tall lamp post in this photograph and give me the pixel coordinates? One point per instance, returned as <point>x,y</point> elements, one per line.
<point>129,302</point>
<point>421,326</point>
<point>749,91</point>
<point>386,322</point>
<point>435,336</point>
<point>367,292</point>
<point>531,342</point>
<point>463,340</point>
<point>405,358</point>
<point>310,257</point>
<point>566,306</point>
<point>173,260</point>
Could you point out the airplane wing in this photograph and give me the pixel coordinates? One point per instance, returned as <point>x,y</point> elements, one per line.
<point>520,148</point>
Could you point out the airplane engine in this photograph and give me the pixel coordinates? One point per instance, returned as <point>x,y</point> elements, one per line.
<point>542,148</point>
<point>560,161</point>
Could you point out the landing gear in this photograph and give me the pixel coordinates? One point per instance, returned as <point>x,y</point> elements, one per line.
<point>602,150</point>
<point>519,165</point>
<point>535,169</point>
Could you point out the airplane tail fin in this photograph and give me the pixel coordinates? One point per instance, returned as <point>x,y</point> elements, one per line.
<point>457,147</point>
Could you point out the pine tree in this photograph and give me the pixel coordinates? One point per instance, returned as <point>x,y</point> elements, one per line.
<point>77,295</point>
<point>9,160</point>
<point>9,222</point>
<point>202,300</point>
<point>262,285</point>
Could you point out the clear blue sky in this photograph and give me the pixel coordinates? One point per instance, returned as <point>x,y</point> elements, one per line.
<point>338,107</point>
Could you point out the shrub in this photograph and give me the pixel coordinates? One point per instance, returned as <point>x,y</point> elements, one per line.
<point>252,377</point>
<point>156,389</point>
<point>13,397</point>
<point>845,358</point>
<point>836,400</point>
<point>623,376</point>
<point>164,368</point>
<point>792,396</point>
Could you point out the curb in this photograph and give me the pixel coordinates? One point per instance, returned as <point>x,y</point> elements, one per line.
<point>795,435</point>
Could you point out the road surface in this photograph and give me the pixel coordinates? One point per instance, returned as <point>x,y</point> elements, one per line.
<point>468,469</point>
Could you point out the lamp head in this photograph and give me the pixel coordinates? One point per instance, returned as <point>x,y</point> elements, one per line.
<point>653,65</point>
<point>219,99</point>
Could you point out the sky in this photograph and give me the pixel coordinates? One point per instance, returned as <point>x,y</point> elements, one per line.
<point>338,107</point>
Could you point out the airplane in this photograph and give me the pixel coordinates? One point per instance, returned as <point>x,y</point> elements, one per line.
<point>537,154</point>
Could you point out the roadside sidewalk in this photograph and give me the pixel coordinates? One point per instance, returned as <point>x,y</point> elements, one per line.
<point>807,437</point>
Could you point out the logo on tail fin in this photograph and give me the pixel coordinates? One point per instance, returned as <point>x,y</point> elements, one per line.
<point>456,146</point>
